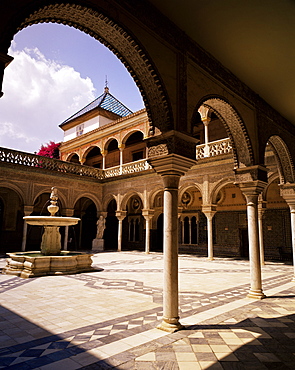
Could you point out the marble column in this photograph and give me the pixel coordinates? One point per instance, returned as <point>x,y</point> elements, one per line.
<point>206,120</point>
<point>68,212</point>
<point>288,193</point>
<point>104,153</point>
<point>121,149</point>
<point>120,216</point>
<point>251,192</point>
<point>190,230</point>
<point>27,212</point>
<point>292,211</point>
<point>261,211</point>
<point>148,215</point>
<point>206,134</point>
<point>171,167</point>
<point>66,238</point>
<point>209,212</point>
<point>182,231</point>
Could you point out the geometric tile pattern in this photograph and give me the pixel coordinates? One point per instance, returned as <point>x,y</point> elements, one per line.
<point>253,335</point>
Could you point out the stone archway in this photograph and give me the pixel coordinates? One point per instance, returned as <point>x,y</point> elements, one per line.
<point>283,159</point>
<point>118,40</point>
<point>235,127</point>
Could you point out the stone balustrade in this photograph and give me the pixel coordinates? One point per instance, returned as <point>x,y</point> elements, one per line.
<point>214,148</point>
<point>33,160</point>
<point>37,161</point>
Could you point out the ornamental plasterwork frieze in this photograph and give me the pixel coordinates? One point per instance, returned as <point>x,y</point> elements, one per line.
<point>158,150</point>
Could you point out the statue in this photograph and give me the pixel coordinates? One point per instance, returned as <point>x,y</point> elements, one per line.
<point>101,224</point>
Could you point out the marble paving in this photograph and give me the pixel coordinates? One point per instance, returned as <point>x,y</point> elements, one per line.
<point>107,319</point>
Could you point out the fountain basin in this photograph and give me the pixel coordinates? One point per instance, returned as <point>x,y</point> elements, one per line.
<point>51,220</point>
<point>34,264</point>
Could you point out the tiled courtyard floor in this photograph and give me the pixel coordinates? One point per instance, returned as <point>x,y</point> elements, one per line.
<point>107,319</point>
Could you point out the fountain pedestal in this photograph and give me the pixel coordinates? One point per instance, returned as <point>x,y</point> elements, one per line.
<point>51,241</point>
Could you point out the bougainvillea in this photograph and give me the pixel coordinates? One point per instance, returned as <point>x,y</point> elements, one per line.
<point>50,150</point>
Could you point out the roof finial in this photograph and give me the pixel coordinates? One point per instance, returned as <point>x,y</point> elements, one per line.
<point>106,88</point>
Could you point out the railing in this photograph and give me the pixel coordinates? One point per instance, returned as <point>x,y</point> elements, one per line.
<point>127,168</point>
<point>37,161</point>
<point>32,160</point>
<point>214,148</point>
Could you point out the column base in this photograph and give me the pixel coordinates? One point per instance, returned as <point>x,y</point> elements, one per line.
<point>256,294</point>
<point>210,259</point>
<point>170,325</point>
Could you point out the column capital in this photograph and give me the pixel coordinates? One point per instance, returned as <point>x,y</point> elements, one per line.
<point>28,210</point>
<point>103,152</point>
<point>69,212</point>
<point>171,164</point>
<point>148,213</point>
<point>250,174</point>
<point>121,215</point>
<point>121,146</point>
<point>252,188</point>
<point>287,191</point>
<point>204,113</point>
<point>209,208</point>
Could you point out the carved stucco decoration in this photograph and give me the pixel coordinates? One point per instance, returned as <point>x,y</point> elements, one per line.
<point>283,158</point>
<point>236,130</point>
<point>172,143</point>
<point>121,44</point>
<point>158,150</point>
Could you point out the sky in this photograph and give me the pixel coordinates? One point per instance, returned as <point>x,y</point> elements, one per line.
<point>56,71</point>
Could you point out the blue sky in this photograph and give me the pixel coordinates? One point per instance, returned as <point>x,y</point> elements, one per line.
<point>56,71</point>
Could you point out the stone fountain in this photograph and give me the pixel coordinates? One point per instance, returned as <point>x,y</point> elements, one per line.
<point>50,260</point>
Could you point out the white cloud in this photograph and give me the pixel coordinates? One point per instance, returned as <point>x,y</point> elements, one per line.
<point>39,94</point>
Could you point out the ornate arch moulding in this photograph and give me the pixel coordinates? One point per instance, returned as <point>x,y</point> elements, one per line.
<point>283,158</point>
<point>121,42</point>
<point>235,127</point>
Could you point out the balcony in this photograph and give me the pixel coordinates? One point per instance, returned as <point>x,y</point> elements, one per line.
<point>214,148</point>
<point>15,157</point>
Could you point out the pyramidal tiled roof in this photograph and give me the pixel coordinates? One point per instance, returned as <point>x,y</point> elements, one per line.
<point>105,101</point>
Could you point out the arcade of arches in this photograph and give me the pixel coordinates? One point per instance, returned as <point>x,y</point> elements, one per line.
<point>207,167</point>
